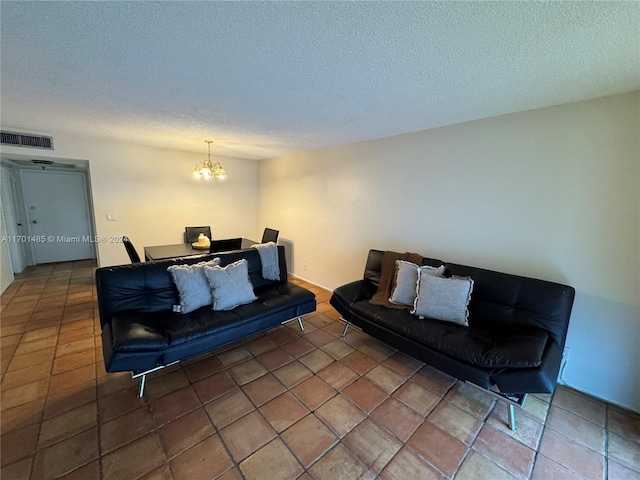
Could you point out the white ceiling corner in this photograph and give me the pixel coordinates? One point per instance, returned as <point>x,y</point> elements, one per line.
<point>263,79</point>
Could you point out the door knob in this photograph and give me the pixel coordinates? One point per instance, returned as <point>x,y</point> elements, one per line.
<point>34,221</point>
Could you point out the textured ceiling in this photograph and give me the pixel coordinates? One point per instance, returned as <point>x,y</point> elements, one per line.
<point>265,78</point>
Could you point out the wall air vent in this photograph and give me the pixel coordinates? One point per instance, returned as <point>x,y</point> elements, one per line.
<point>26,140</point>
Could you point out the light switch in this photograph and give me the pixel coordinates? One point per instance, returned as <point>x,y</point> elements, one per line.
<point>111,217</point>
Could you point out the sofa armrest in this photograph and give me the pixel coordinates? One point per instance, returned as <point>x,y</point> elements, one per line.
<point>345,296</point>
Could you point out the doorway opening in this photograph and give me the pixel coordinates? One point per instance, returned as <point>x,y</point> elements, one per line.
<point>47,210</point>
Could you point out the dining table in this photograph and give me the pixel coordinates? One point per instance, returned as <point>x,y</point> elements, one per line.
<point>163,252</point>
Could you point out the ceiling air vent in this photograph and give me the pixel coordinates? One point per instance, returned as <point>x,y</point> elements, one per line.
<point>26,140</point>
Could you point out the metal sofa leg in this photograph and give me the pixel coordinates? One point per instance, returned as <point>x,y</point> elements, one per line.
<point>512,418</point>
<point>346,327</point>
<point>143,376</point>
<point>292,319</point>
<point>143,381</point>
<point>513,400</point>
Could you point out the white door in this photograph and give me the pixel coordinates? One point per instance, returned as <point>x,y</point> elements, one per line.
<point>57,215</point>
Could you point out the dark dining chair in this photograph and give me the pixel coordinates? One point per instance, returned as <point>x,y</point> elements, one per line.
<point>225,245</point>
<point>133,255</point>
<point>191,233</point>
<point>270,235</point>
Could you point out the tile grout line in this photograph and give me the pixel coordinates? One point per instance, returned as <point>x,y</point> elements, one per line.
<point>218,431</point>
<point>606,441</point>
<point>236,465</point>
<point>495,405</point>
<point>44,407</point>
<point>290,390</point>
<point>544,428</point>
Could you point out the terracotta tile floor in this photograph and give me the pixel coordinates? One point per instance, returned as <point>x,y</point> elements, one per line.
<point>282,405</point>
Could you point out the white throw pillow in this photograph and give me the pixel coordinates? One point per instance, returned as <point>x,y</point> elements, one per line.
<point>192,285</point>
<point>406,281</point>
<point>444,298</point>
<point>231,285</point>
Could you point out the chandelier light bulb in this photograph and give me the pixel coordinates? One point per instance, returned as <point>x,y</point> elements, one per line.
<point>208,169</point>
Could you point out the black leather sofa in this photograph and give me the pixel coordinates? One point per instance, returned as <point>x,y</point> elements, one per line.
<point>141,333</point>
<point>513,344</point>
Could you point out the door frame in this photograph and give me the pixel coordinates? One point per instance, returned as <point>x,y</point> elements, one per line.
<point>14,219</point>
<point>13,164</point>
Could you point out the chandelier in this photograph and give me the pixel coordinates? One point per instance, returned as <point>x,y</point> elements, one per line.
<point>208,170</point>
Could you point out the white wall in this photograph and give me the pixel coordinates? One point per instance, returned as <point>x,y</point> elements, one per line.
<point>549,193</point>
<point>152,193</point>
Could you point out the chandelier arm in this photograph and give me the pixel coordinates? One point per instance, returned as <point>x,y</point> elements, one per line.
<point>209,169</point>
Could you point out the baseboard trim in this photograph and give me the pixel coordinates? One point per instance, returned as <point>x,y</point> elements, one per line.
<point>310,281</point>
